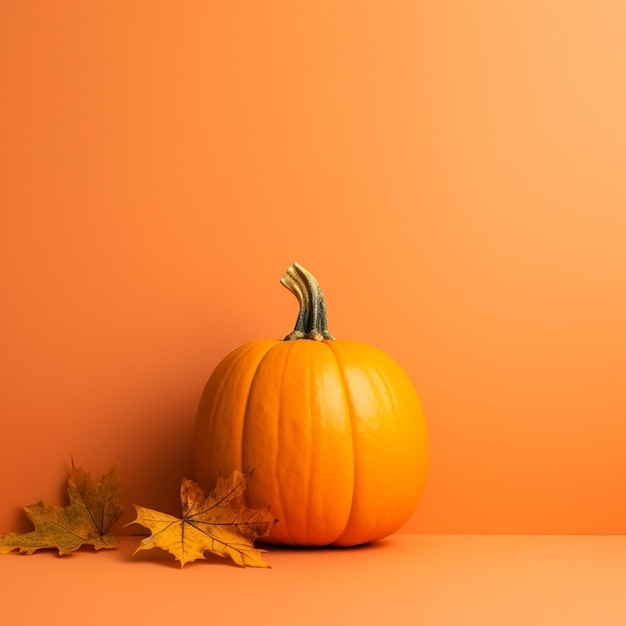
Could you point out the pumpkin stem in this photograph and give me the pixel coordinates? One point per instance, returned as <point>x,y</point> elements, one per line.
<point>311,322</point>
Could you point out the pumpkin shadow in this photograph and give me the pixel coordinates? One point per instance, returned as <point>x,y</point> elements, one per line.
<point>382,544</point>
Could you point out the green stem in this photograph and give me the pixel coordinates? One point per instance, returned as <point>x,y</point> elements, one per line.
<point>311,323</point>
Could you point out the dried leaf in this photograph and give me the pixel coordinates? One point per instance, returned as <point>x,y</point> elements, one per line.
<point>209,523</point>
<point>93,509</point>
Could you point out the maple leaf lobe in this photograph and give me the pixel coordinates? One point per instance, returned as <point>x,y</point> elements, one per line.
<point>92,510</point>
<point>209,524</point>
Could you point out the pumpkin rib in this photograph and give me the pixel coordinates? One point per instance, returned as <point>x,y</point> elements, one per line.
<point>245,411</point>
<point>246,418</point>
<point>330,478</point>
<point>351,415</point>
<point>228,366</point>
<point>279,422</point>
<point>403,433</point>
<point>218,433</point>
<point>243,418</point>
<point>308,488</point>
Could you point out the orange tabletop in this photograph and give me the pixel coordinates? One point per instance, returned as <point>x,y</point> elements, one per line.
<point>407,579</point>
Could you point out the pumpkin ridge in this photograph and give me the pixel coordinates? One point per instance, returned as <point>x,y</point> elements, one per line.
<point>393,401</point>
<point>218,394</point>
<point>246,408</point>
<point>280,504</point>
<point>402,426</point>
<point>332,345</point>
<point>279,421</point>
<point>308,488</point>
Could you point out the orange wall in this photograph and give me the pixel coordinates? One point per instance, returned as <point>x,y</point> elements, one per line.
<point>452,172</point>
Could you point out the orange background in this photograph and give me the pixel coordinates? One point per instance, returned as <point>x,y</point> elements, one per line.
<point>452,173</point>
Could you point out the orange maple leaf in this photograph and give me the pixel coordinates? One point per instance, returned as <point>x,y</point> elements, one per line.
<point>209,523</point>
<point>93,509</point>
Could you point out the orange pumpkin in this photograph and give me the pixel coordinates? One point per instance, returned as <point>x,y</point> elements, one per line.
<point>334,430</point>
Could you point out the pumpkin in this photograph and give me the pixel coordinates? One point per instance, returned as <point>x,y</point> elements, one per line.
<point>333,429</point>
